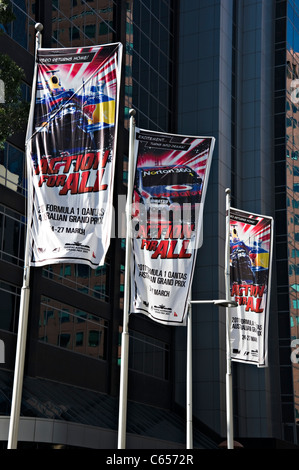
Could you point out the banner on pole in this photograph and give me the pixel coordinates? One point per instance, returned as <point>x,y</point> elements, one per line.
<point>250,281</point>
<point>171,177</point>
<point>71,154</point>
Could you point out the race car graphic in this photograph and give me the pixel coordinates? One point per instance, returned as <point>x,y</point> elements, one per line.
<point>69,120</point>
<point>248,263</point>
<point>162,189</point>
<point>240,261</point>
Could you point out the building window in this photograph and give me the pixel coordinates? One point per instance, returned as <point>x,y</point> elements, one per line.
<point>71,20</point>
<point>22,29</point>
<point>148,54</point>
<point>90,30</point>
<point>79,338</point>
<point>12,168</point>
<point>92,282</point>
<point>63,340</point>
<point>12,229</point>
<point>94,338</point>
<point>10,304</point>
<point>74,33</point>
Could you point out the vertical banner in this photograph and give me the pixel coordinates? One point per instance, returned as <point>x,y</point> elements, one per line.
<point>251,244</point>
<point>71,154</point>
<point>171,177</point>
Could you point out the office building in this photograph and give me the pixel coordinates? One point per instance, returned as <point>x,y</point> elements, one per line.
<point>222,68</point>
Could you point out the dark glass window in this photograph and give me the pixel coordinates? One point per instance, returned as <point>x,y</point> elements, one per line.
<point>93,282</point>
<point>10,304</point>
<point>67,327</point>
<point>12,229</point>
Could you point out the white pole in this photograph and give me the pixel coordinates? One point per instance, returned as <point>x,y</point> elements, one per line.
<point>23,323</point>
<point>229,388</point>
<point>189,432</point>
<point>19,363</point>
<point>123,393</point>
<point>189,411</point>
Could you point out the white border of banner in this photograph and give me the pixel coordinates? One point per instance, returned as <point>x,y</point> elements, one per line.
<point>31,191</point>
<point>199,234</point>
<point>267,309</point>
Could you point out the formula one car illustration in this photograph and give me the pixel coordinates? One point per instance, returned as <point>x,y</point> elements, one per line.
<point>69,121</point>
<point>241,271</point>
<point>159,188</point>
<point>248,264</point>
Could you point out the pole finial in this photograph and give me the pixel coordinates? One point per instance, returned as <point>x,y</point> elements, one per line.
<point>39,27</point>
<point>132,112</point>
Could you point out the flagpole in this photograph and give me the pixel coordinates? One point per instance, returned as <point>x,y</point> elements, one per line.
<point>229,390</point>
<point>189,411</point>
<point>23,316</point>
<point>124,365</point>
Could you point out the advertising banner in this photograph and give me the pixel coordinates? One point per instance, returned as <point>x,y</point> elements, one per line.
<point>250,280</point>
<point>71,154</point>
<point>171,177</point>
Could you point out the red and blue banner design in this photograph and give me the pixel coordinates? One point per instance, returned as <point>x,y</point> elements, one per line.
<point>171,178</point>
<point>250,282</point>
<point>71,154</point>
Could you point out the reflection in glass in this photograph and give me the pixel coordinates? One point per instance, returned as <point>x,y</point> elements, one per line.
<point>292,182</point>
<point>82,23</point>
<point>92,282</point>
<point>67,327</point>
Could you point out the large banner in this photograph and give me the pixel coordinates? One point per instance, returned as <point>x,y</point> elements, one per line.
<point>71,154</point>
<point>250,280</point>
<point>171,178</point>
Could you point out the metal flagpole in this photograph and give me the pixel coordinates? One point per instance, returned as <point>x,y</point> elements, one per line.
<point>189,411</point>
<point>23,313</point>
<point>229,388</point>
<point>122,419</point>
<point>227,303</point>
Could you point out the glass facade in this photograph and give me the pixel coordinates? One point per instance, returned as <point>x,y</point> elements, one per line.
<point>152,62</point>
<point>93,282</point>
<point>149,356</point>
<point>22,29</point>
<point>287,204</point>
<point>12,168</point>
<point>82,23</point>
